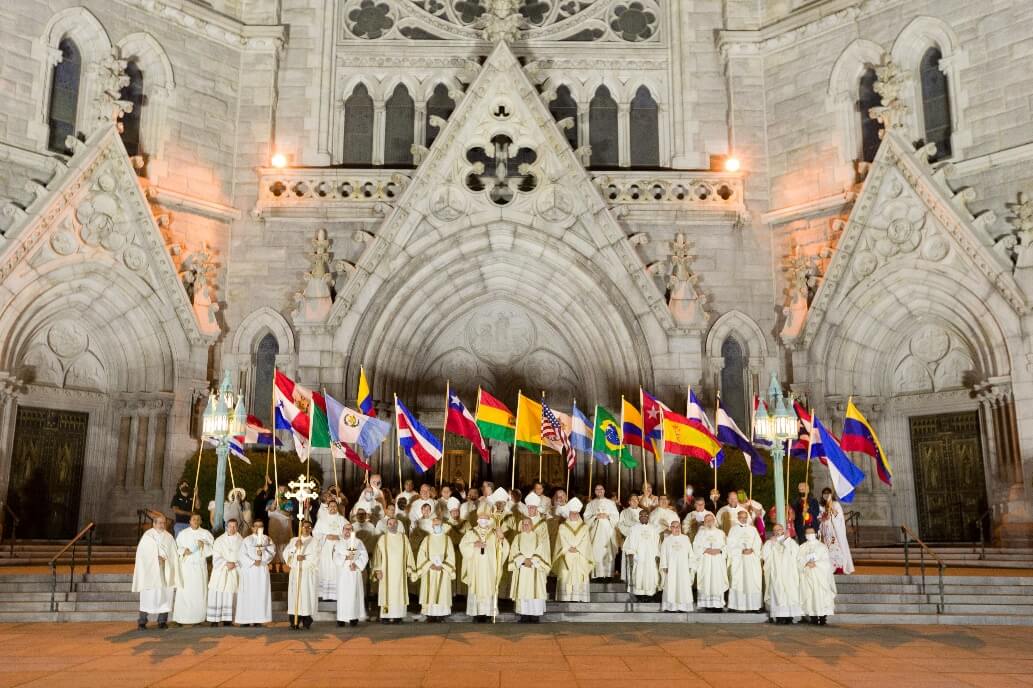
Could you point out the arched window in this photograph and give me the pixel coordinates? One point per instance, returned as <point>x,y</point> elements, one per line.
<point>867,98</point>
<point>936,107</point>
<point>645,130</point>
<point>400,115</point>
<point>440,104</point>
<point>264,365</point>
<point>602,129</point>
<point>733,382</point>
<point>562,107</point>
<point>64,96</point>
<point>358,127</point>
<point>133,93</point>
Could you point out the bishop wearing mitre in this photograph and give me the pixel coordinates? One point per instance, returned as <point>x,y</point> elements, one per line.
<point>745,577</point>
<point>194,545</point>
<point>485,550</point>
<point>327,532</point>
<point>254,599</point>
<point>302,556</point>
<point>678,564</point>
<point>350,558</point>
<point>780,555</point>
<point>225,579</point>
<point>529,562</point>
<point>393,565</point>
<point>156,574</point>
<point>572,556</point>
<point>435,570</point>
<point>712,569</point>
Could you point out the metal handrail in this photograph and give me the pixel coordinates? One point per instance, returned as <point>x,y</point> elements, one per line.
<point>853,519</point>
<point>909,535</point>
<point>14,525</point>
<point>142,516</point>
<point>73,543</point>
<point>978,523</point>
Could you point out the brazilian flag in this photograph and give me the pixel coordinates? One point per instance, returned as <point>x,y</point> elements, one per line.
<point>606,440</point>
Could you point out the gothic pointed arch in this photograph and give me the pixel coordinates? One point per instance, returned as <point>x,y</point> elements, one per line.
<point>144,55</point>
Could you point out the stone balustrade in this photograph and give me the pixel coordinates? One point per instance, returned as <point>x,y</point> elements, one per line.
<point>703,190</point>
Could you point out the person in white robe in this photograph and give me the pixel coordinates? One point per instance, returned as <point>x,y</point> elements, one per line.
<point>780,555</point>
<point>625,522</point>
<point>648,500</point>
<point>194,546</point>
<point>727,516</point>
<point>712,567</point>
<point>833,533</point>
<point>393,565</point>
<point>817,581</point>
<point>327,532</point>
<point>642,552</point>
<point>156,573</point>
<point>468,509</point>
<point>350,557</point>
<point>301,556</point>
<point>435,570</point>
<point>572,556</point>
<point>254,598</point>
<point>421,527</point>
<point>365,530</point>
<point>678,563</point>
<point>693,520</point>
<point>601,515</point>
<point>368,502</point>
<point>484,551</point>
<point>225,579</point>
<point>407,493</point>
<point>544,503</point>
<point>663,514</point>
<point>529,561</point>
<point>745,575</point>
<point>416,505</point>
<point>280,528</point>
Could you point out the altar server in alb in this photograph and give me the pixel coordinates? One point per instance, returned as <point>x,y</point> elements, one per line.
<point>780,555</point>
<point>327,532</point>
<point>712,569</point>
<point>601,515</point>
<point>302,556</point>
<point>642,552</point>
<point>156,573</point>
<point>225,580</point>
<point>817,583</point>
<point>194,545</point>
<point>350,558</point>
<point>678,562</point>
<point>745,580</point>
<point>254,599</point>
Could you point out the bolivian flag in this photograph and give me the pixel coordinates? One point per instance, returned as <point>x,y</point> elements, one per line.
<point>529,424</point>
<point>494,419</point>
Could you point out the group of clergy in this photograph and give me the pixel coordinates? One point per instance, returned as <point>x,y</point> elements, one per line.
<point>492,545</point>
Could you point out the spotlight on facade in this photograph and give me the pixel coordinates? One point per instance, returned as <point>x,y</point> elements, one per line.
<point>732,164</point>
<point>279,160</point>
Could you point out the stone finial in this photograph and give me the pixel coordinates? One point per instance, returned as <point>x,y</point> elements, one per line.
<point>686,304</point>
<point>802,274</point>
<point>111,73</point>
<point>315,301</point>
<point>502,21</point>
<point>889,84</point>
<point>1020,241</point>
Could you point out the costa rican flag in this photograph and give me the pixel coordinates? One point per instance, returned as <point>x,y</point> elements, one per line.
<point>418,443</point>
<point>555,436</point>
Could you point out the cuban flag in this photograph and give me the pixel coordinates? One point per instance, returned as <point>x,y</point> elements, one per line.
<point>418,443</point>
<point>844,474</point>
<point>460,421</point>
<point>728,433</point>
<point>580,431</point>
<point>652,422</point>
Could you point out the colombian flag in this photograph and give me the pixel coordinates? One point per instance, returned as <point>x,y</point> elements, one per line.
<point>859,436</point>
<point>364,399</point>
<point>631,427</point>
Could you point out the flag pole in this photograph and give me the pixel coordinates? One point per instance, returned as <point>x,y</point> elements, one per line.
<point>197,474</point>
<point>810,443</point>
<point>591,458</point>
<point>753,429</point>
<point>620,453</point>
<point>516,431</point>
<point>398,444</point>
<point>229,462</point>
<point>573,406</point>
<point>333,461</point>
<point>444,436</point>
<point>643,455</point>
<point>276,469</point>
<point>540,443</point>
<point>469,462</point>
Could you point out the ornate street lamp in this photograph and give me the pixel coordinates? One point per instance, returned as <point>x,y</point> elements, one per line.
<point>224,417</point>
<point>777,428</point>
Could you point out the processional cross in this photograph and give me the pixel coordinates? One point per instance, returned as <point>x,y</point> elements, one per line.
<point>301,490</point>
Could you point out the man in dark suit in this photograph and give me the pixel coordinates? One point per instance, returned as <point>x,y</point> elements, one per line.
<point>806,512</point>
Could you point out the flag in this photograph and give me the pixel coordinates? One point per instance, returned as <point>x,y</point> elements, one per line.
<point>798,449</point>
<point>859,436</point>
<point>555,433</point>
<point>652,423</point>
<point>296,404</point>
<point>363,398</point>
<point>494,419</point>
<point>352,427</point>
<point>694,411</point>
<point>339,450</point>
<point>460,421</point>
<point>418,443</point>
<point>631,424</point>
<point>728,433</point>
<point>580,431</point>
<point>529,424</point>
<point>758,441</point>
<point>256,433</point>
<point>606,440</point>
<point>844,474</point>
<point>236,446</point>
<point>686,436</point>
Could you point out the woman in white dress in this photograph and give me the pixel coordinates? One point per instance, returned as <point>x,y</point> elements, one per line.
<point>833,533</point>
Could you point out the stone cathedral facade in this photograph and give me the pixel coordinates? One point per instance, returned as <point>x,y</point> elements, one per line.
<point>518,194</point>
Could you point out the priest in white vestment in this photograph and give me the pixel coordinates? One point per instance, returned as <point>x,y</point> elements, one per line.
<point>833,533</point>
<point>194,545</point>
<point>301,555</point>
<point>327,532</point>
<point>678,563</point>
<point>156,573</point>
<point>745,575</point>
<point>484,551</point>
<point>780,555</point>
<point>225,579</point>
<point>529,561</point>
<point>727,515</point>
<point>648,500</point>
<point>693,520</point>
<point>416,505</point>
<point>625,522</point>
<point>817,582</point>
<point>350,558</point>
<point>435,570</point>
<point>393,565</point>
<point>601,515</point>
<point>254,598</point>
<point>572,556</point>
<point>663,514</point>
<point>641,554</point>
<point>712,568</point>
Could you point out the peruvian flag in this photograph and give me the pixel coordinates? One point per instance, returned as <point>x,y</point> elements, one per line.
<point>460,421</point>
<point>300,407</point>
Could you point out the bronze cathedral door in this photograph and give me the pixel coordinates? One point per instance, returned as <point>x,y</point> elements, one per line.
<point>46,471</point>
<point>949,483</point>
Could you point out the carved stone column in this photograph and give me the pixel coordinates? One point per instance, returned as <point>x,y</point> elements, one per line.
<point>624,134</point>
<point>10,389</point>
<point>379,131</point>
<point>1012,516</point>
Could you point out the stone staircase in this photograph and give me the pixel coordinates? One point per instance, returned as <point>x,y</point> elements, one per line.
<point>954,556</point>
<point>863,599</point>
<point>40,552</point>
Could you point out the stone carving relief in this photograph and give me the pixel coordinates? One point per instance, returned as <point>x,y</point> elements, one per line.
<point>501,336</point>
<point>315,301</point>
<point>501,169</point>
<point>102,222</point>
<point>803,274</point>
<point>934,359</point>
<point>111,72</point>
<point>890,81</point>
<point>501,21</point>
<point>61,356</point>
<point>1017,245</point>
<point>198,275</point>
<point>685,302</point>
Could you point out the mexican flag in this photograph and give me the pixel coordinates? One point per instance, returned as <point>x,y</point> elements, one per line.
<point>495,420</point>
<point>305,410</point>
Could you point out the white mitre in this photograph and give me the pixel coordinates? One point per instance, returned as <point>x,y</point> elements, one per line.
<point>574,506</point>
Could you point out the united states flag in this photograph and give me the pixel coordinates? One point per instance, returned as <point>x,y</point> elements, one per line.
<point>555,436</point>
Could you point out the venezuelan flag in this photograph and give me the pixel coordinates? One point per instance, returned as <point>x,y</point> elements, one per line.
<point>364,398</point>
<point>859,436</point>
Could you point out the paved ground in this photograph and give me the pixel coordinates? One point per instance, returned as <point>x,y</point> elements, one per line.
<point>462,656</point>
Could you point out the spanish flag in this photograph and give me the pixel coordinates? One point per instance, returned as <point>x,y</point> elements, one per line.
<point>859,436</point>
<point>494,419</point>
<point>686,437</point>
<point>529,423</point>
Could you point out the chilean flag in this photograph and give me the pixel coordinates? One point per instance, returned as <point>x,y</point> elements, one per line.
<point>418,443</point>
<point>460,421</point>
